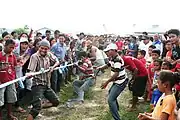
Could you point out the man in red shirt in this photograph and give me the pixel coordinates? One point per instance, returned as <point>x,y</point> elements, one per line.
<point>138,83</point>
<point>8,73</point>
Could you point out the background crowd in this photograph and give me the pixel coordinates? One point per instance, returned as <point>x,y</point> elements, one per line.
<point>144,57</point>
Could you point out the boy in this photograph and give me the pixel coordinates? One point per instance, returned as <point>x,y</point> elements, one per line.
<point>155,55</point>
<point>149,56</point>
<point>7,73</point>
<point>141,55</point>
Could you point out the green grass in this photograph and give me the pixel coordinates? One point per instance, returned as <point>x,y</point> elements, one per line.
<point>125,115</point>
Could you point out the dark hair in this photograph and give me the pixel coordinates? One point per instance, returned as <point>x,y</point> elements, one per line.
<point>48,31</point>
<point>62,35</point>
<point>156,51</point>
<point>81,33</point>
<point>174,31</point>
<point>13,32</point>
<point>9,41</point>
<point>168,76</point>
<point>152,46</point>
<point>38,33</point>
<point>25,34</point>
<point>36,41</point>
<point>145,33</point>
<point>143,52</point>
<point>4,34</point>
<point>159,61</point>
<point>167,63</point>
<point>151,38</point>
<point>56,31</point>
<point>168,41</point>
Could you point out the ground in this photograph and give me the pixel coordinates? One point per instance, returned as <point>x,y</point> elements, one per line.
<point>95,106</point>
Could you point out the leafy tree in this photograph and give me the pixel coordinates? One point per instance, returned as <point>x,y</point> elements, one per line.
<point>20,30</point>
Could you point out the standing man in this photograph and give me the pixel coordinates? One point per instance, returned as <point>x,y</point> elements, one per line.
<point>157,42</point>
<point>41,83</point>
<point>118,77</point>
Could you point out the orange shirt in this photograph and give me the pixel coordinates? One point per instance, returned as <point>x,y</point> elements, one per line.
<point>166,104</point>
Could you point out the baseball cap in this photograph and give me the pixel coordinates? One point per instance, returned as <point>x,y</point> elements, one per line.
<point>144,37</point>
<point>111,46</point>
<point>23,40</point>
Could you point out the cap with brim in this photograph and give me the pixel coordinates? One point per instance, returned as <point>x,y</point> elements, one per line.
<point>24,40</point>
<point>110,47</point>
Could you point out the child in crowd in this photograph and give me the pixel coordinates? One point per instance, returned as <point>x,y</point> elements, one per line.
<point>155,56</point>
<point>156,93</point>
<point>141,55</point>
<point>166,65</point>
<point>164,109</point>
<point>149,56</point>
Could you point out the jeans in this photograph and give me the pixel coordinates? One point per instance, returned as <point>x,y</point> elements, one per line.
<point>114,92</point>
<point>80,86</point>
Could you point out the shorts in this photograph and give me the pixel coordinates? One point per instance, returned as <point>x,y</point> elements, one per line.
<point>139,86</point>
<point>10,93</point>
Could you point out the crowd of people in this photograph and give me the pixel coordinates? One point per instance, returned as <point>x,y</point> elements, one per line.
<point>153,63</point>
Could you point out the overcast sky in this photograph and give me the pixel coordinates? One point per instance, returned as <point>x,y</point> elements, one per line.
<point>90,15</point>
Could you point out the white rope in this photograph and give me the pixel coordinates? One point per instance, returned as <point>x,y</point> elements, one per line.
<point>33,74</point>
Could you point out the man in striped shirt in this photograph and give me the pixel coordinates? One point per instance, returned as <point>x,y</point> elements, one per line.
<point>118,77</point>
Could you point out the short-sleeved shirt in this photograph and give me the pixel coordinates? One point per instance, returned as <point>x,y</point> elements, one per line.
<point>133,63</point>
<point>166,104</point>
<point>59,50</point>
<point>8,64</point>
<point>176,52</point>
<point>117,65</point>
<point>37,62</point>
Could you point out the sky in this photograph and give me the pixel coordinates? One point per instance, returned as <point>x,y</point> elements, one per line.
<point>91,16</point>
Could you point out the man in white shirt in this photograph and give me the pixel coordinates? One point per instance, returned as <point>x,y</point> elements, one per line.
<point>144,44</point>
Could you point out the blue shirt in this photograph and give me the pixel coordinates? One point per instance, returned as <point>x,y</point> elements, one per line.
<point>59,51</point>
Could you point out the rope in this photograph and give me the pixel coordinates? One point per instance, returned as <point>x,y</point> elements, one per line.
<point>33,74</point>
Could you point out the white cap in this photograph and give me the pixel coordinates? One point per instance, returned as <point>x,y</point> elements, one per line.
<point>111,46</point>
<point>22,40</point>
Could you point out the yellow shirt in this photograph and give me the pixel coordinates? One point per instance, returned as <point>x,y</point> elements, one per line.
<point>166,104</point>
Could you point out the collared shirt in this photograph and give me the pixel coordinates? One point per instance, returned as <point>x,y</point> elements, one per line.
<point>117,65</point>
<point>59,50</point>
<point>7,67</point>
<point>37,63</point>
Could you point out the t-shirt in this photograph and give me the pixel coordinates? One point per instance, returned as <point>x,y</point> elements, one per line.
<point>133,63</point>
<point>166,104</point>
<point>143,60</point>
<point>7,67</point>
<point>117,65</point>
<point>119,45</point>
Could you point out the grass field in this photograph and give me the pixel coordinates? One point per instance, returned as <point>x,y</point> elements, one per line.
<point>95,106</point>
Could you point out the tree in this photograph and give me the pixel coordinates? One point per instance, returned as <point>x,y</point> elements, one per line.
<point>20,30</point>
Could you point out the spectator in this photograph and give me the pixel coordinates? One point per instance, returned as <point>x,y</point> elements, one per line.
<point>166,104</point>
<point>8,73</point>
<point>48,35</point>
<point>141,55</point>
